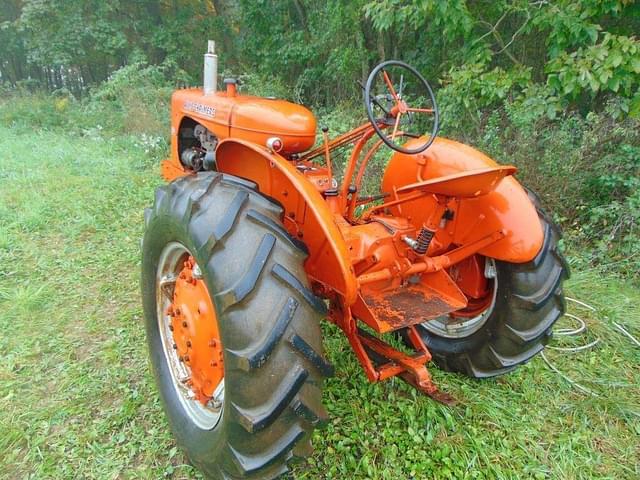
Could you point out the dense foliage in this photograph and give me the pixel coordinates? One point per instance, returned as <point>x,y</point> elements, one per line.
<point>575,52</point>
<point>551,86</point>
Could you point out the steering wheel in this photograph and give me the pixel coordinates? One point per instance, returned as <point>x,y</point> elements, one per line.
<point>389,108</point>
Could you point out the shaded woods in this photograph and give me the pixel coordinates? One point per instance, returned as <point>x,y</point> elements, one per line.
<point>576,50</point>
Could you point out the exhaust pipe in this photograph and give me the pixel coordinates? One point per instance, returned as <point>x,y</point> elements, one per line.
<point>210,69</point>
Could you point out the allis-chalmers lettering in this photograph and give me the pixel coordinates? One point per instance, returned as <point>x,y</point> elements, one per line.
<point>200,108</point>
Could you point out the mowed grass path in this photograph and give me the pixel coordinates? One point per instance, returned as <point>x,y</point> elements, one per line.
<point>77,399</point>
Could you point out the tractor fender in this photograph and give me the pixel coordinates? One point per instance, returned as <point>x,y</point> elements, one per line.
<point>507,207</point>
<point>307,216</point>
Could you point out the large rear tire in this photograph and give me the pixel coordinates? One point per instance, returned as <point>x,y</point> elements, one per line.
<point>517,325</point>
<point>268,321</point>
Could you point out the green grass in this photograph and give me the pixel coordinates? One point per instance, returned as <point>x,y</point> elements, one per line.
<point>77,399</point>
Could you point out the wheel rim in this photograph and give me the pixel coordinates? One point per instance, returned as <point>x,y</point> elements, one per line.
<point>188,327</point>
<point>462,326</point>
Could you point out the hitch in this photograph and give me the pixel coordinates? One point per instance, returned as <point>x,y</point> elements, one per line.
<point>381,361</point>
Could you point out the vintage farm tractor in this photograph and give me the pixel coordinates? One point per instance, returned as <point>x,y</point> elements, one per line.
<point>253,241</point>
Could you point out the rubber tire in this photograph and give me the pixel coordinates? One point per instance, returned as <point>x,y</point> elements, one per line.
<point>528,302</point>
<point>268,319</point>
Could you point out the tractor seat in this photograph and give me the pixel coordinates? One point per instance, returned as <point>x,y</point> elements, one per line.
<point>469,184</point>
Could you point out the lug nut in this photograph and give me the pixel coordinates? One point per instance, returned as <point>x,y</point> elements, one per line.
<point>171,327</point>
<point>184,324</point>
<point>212,343</point>
<point>188,343</point>
<point>175,347</point>
<point>214,363</point>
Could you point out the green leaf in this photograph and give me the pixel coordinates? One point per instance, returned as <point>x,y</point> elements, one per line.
<point>615,58</point>
<point>614,84</point>
<point>634,107</point>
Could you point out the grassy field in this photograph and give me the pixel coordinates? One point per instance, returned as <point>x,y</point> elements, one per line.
<point>77,399</point>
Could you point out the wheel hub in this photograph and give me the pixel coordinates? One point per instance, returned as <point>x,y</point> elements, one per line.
<point>195,333</point>
<point>466,322</point>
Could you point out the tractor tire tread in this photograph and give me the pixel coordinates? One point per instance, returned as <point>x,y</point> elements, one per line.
<point>287,278</point>
<point>230,217</point>
<point>310,354</point>
<point>258,418</point>
<point>278,229</point>
<point>245,284</point>
<point>256,355</point>
<point>551,284</point>
<point>274,384</point>
<point>530,301</point>
<point>256,464</point>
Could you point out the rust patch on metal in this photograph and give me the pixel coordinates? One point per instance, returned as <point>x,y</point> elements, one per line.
<point>407,306</point>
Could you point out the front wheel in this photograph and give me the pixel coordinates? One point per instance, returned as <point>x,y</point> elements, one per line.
<point>513,322</point>
<point>232,327</point>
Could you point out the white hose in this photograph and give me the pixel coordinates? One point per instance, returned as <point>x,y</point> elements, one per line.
<point>581,328</point>
<point>626,333</point>
<point>588,307</point>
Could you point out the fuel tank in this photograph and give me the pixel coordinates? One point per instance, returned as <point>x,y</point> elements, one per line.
<point>255,119</point>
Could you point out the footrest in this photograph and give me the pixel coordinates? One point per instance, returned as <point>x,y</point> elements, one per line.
<point>435,295</point>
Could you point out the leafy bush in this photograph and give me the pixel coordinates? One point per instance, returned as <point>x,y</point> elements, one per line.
<point>137,97</point>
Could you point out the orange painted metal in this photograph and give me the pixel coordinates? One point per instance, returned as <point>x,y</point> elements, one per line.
<point>353,160</point>
<point>170,170</point>
<point>506,208</point>
<point>339,141</point>
<point>390,361</point>
<point>358,181</point>
<point>257,119</point>
<point>430,264</point>
<point>469,184</point>
<point>469,276</point>
<point>432,295</point>
<point>196,335</point>
<point>307,216</point>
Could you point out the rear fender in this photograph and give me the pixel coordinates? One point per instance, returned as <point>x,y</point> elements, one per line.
<point>506,208</point>
<point>306,215</point>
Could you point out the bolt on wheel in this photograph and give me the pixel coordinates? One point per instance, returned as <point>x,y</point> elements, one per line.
<point>190,335</point>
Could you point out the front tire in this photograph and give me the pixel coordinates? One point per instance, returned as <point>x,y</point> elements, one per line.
<point>528,301</point>
<point>268,321</point>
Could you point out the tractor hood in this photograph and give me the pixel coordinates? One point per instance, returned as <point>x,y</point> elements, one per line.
<point>255,119</point>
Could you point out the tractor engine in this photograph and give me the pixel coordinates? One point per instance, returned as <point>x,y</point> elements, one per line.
<point>198,148</point>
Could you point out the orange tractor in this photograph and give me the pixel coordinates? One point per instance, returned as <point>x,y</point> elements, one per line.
<point>253,241</point>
